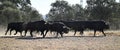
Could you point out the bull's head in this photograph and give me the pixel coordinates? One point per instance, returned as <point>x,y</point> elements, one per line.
<point>66,29</point>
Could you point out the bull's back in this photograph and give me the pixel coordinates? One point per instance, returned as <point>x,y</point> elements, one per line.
<point>15,25</point>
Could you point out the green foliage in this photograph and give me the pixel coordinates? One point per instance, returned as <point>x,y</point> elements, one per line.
<point>79,12</point>
<point>31,14</point>
<point>17,10</point>
<point>11,14</point>
<point>61,10</point>
<point>100,9</point>
<point>107,10</point>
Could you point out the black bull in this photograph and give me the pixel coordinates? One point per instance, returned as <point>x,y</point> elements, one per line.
<point>57,27</point>
<point>30,26</point>
<point>17,26</point>
<point>36,26</point>
<point>82,25</point>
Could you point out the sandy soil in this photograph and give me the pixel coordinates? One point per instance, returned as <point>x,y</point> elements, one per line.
<point>68,42</point>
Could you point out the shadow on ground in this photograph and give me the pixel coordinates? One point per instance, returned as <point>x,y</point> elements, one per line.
<point>34,38</point>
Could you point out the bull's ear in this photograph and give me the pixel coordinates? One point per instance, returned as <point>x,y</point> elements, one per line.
<point>68,28</point>
<point>45,23</point>
<point>64,26</point>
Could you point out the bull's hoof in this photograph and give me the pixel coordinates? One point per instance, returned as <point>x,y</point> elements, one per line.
<point>104,35</point>
<point>43,37</point>
<point>14,34</point>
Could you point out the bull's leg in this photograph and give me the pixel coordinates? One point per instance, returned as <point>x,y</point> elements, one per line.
<point>42,32</point>
<point>25,32</point>
<point>7,31</point>
<point>31,33</point>
<point>61,34</point>
<point>46,32</point>
<point>103,33</point>
<point>94,33</point>
<point>54,33</point>
<point>10,31</point>
<point>57,34</point>
<point>21,33</point>
<point>15,32</point>
<point>75,33</point>
<point>38,33</point>
<point>81,32</point>
<point>50,32</point>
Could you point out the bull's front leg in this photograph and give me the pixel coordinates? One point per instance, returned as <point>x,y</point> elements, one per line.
<point>25,32</point>
<point>42,32</point>
<point>61,34</point>
<point>81,32</point>
<point>75,33</point>
<point>103,33</point>
<point>31,33</point>
<point>46,32</point>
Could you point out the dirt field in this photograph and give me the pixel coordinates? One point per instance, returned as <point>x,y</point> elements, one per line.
<point>68,42</point>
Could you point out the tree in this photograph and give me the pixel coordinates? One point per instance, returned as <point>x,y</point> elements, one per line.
<point>79,12</point>
<point>60,10</point>
<point>9,12</point>
<point>31,14</point>
<point>100,9</point>
<point>107,10</point>
<point>18,3</point>
<point>17,10</point>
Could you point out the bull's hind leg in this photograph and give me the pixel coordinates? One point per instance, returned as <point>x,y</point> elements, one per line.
<point>61,34</point>
<point>31,33</point>
<point>15,32</point>
<point>103,33</point>
<point>21,34</point>
<point>46,32</point>
<point>75,33</point>
<point>94,33</point>
<point>10,31</point>
<point>25,32</point>
<point>81,32</point>
<point>7,31</point>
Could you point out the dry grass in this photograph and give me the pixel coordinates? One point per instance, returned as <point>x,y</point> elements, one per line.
<point>68,42</point>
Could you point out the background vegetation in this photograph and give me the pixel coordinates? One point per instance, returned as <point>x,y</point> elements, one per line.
<point>21,10</point>
<point>106,10</point>
<point>17,11</point>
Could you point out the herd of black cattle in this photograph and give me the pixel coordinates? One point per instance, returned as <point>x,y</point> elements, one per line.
<point>59,27</point>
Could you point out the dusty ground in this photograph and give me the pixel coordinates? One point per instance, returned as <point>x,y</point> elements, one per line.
<point>68,42</point>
